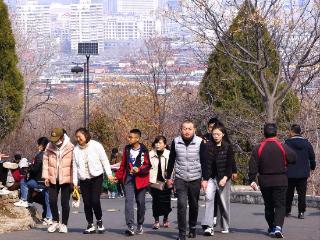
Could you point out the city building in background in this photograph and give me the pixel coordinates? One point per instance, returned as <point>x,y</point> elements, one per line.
<point>137,7</point>
<point>86,24</point>
<point>69,22</point>
<point>128,27</point>
<point>33,19</point>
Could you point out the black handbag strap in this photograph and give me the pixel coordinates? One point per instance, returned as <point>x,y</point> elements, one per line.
<point>165,168</point>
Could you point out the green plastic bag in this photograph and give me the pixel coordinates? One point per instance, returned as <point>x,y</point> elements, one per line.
<point>107,184</point>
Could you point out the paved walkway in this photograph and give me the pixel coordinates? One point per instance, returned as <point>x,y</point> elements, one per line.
<point>247,224</point>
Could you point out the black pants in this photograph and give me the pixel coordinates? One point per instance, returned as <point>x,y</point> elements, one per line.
<point>301,185</point>
<point>65,201</point>
<point>161,203</point>
<point>275,204</point>
<point>91,191</point>
<point>132,192</point>
<point>3,174</point>
<point>187,192</point>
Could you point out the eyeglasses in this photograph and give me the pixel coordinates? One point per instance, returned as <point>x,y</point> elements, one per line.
<point>217,134</point>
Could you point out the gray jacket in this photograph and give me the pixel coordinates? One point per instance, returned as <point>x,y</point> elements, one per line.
<point>187,164</point>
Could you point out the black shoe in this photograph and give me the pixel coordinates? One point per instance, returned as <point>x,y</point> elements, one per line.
<point>271,231</point>
<point>100,227</point>
<point>192,233</point>
<point>181,238</point>
<point>130,231</point>
<point>90,229</point>
<point>301,215</point>
<point>204,227</point>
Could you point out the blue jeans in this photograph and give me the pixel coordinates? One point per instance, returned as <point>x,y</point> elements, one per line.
<point>31,183</point>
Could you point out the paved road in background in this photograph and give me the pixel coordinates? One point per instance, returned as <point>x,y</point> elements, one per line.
<point>247,223</point>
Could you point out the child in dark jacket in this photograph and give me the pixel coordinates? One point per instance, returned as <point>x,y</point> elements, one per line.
<point>134,173</point>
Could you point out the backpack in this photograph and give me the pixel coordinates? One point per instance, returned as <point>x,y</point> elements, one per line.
<point>279,144</point>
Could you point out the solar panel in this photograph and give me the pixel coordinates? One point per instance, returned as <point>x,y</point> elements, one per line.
<point>88,48</point>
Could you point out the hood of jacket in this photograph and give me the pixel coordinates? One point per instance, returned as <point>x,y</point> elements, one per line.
<point>297,142</point>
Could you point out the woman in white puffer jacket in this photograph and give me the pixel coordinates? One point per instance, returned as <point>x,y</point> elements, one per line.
<point>90,161</point>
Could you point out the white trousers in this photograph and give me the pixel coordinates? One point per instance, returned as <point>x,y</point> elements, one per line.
<point>224,205</point>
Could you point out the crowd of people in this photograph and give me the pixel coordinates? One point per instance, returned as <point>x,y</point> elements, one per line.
<point>191,163</point>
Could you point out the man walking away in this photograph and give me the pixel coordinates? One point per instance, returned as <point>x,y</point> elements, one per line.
<point>269,159</point>
<point>298,174</point>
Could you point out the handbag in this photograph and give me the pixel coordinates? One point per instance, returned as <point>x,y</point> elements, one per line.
<point>158,185</point>
<point>75,198</point>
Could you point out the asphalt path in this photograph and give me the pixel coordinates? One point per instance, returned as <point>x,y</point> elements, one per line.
<point>247,223</point>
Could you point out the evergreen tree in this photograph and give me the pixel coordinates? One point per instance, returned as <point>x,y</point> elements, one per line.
<point>232,92</point>
<point>231,89</point>
<point>11,80</point>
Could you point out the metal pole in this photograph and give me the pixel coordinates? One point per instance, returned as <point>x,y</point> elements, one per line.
<point>84,96</point>
<point>88,92</point>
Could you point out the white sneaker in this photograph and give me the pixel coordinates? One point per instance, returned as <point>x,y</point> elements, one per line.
<point>100,227</point>
<point>4,191</point>
<point>90,229</point>
<point>47,222</point>
<point>54,227</point>
<point>225,231</point>
<point>21,203</point>
<point>209,231</point>
<point>63,228</point>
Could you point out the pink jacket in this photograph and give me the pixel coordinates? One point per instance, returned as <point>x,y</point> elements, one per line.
<point>54,159</point>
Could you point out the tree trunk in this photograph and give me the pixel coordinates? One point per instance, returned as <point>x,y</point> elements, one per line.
<point>269,105</point>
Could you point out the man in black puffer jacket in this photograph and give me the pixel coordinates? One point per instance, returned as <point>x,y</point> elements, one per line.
<point>298,174</point>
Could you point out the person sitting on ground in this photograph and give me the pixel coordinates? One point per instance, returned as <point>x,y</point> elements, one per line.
<point>35,181</point>
<point>18,174</point>
<point>3,170</point>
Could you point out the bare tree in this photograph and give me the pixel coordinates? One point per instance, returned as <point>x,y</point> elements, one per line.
<point>158,75</point>
<point>41,109</point>
<point>32,62</point>
<point>294,31</point>
<point>310,123</point>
